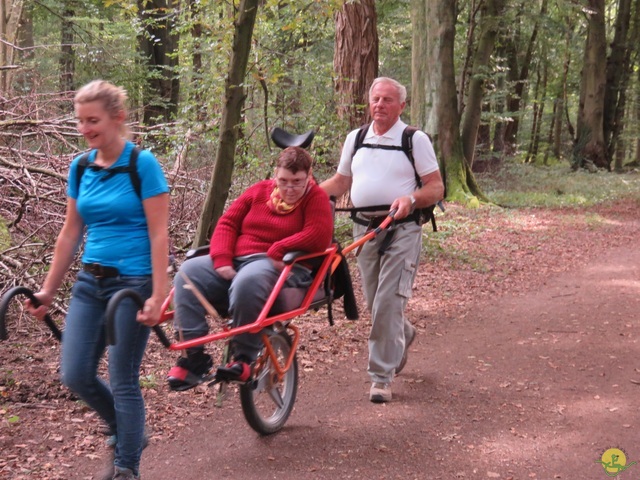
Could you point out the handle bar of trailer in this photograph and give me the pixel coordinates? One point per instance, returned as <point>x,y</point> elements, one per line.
<point>4,306</point>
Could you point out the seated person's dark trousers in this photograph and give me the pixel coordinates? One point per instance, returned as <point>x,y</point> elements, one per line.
<point>242,298</point>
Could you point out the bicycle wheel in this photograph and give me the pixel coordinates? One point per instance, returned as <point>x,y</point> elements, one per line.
<point>267,402</point>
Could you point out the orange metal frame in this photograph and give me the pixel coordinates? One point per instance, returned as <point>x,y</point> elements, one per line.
<point>330,262</point>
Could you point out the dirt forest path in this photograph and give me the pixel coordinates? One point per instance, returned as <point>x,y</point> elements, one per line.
<point>536,385</point>
<point>525,367</point>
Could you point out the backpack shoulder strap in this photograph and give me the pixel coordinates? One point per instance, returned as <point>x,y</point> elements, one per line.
<point>80,168</point>
<point>407,148</point>
<point>362,132</point>
<point>133,171</point>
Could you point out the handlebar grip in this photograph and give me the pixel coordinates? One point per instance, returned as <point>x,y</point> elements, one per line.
<point>4,306</point>
<point>110,314</point>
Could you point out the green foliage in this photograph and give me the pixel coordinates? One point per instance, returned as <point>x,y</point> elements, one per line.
<point>148,381</point>
<point>13,419</point>
<point>527,185</point>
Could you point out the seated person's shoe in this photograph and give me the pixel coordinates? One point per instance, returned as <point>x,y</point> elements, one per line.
<point>190,371</point>
<point>236,371</point>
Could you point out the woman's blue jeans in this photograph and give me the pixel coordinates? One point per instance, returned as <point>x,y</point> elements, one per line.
<point>119,403</point>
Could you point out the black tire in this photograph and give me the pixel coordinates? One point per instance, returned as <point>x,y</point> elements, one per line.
<point>13,310</point>
<point>267,403</point>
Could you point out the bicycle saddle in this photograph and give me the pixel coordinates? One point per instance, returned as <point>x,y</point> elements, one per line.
<point>284,139</point>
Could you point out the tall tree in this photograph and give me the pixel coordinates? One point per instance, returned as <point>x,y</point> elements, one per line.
<point>159,45</point>
<point>618,74</point>
<point>489,25</point>
<point>519,66</point>
<point>589,149</point>
<point>442,117</point>
<point>355,59</point>
<point>10,14</point>
<point>67,54</point>
<point>230,123</point>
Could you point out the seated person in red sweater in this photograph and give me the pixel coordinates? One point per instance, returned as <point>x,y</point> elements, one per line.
<point>287,213</point>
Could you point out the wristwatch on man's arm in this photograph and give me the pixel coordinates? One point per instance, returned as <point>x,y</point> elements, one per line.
<point>413,202</point>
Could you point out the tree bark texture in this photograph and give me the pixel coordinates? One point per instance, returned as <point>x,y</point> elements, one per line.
<point>459,180</point>
<point>590,149</point>
<point>159,45</point>
<point>619,68</point>
<point>355,59</point>
<point>67,52</point>
<point>424,71</point>
<point>489,25</point>
<point>515,103</point>
<point>230,124</point>
<point>10,14</point>
<point>419,68</point>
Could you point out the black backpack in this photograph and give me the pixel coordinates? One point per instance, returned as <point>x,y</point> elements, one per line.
<point>131,169</point>
<point>424,214</point>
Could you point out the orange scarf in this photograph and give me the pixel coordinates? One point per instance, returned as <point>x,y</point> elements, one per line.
<point>279,206</point>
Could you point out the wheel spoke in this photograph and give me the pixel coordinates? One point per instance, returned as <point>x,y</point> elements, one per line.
<point>268,400</point>
<point>276,396</point>
<point>262,382</point>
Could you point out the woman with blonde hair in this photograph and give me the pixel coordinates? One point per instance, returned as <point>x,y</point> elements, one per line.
<point>125,247</point>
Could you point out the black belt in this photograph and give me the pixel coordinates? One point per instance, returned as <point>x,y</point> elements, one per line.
<point>100,271</point>
<point>374,222</point>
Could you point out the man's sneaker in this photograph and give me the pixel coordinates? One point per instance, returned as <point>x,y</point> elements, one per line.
<point>124,474</point>
<point>380,392</point>
<point>190,371</point>
<point>407,343</point>
<point>235,371</point>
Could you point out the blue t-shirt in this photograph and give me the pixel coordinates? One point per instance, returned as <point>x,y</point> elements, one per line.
<point>117,233</point>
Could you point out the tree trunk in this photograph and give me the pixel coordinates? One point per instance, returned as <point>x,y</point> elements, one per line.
<point>230,124</point>
<point>419,75</point>
<point>24,79</point>
<point>538,110</point>
<point>355,59</point>
<point>439,31</point>
<point>196,57</point>
<point>489,24</point>
<point>561,101</point>
<point>515,103</point>
<point>590,150</point>
<point>10,14</point>
<point>618,66</point>
<point>637,116</point>
<point>465,72</point>
<point>159,45</point>
<point>67,53</point>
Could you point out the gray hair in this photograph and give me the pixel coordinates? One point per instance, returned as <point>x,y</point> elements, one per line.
<point>402,90</point>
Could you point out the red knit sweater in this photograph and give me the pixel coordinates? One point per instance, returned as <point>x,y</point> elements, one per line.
<point>250,226</point>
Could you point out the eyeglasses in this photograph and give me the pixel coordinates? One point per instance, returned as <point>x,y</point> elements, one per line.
<point>296,184</point>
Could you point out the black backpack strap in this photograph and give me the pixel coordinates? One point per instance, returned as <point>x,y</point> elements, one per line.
<point>80,168</point>
<point>360,138</point>
<point>133,171</point>
<point>407,148</point>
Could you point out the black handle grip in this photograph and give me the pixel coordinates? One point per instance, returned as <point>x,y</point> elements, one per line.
<point>4,306</point>
<point>110,314</point>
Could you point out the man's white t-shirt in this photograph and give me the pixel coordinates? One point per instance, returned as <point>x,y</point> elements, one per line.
<point>380,176</point>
